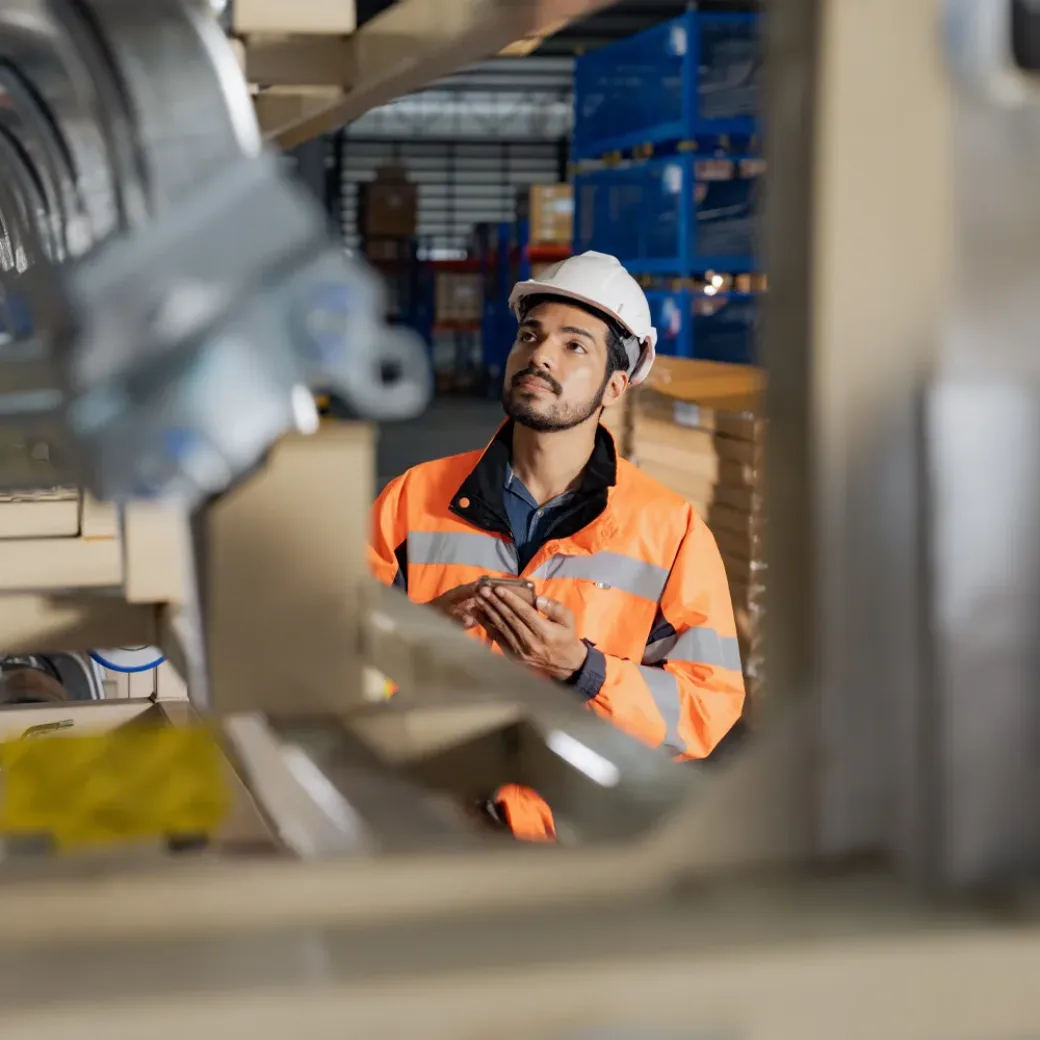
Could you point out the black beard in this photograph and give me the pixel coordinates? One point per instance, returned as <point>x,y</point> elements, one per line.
<point>523,413</point>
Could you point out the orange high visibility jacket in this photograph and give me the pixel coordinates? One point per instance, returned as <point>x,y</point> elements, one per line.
<point>633,561</point>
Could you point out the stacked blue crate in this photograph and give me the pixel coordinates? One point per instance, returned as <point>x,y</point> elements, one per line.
<point>684,96</point>
<point>721,327</point>
<point>679,216</point>
<point>498,327</point>
<point>694,77</point>
<point>15,320</point>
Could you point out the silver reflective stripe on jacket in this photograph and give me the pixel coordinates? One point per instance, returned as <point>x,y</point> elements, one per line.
<point>664,688</point>
<point>696,646</point>
<point>637,577</point>
<point>462,549</point>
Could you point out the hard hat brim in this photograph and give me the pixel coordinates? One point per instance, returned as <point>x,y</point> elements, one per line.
<point>534,288</point>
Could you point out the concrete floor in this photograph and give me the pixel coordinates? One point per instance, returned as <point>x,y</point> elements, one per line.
<point>450,426</point>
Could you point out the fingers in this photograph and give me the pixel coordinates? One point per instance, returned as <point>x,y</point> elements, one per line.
<point>496,636</point>
<point>511,628</point>
<point>529,618</point>
<point>536,616</point>
<point>459,608</point>
<point>457,595</point>
<point>556,612</point>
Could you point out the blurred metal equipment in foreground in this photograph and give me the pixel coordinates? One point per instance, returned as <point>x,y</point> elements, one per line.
<point>237,294</point>
<point>904,383</point>
<point>663,913</point>
<point>163,265</point>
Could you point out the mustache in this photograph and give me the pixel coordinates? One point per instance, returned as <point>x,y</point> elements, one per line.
<point>542,377</point>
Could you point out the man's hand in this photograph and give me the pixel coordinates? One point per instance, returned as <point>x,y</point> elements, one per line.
<point>545,639</point>
<point>458,604</point>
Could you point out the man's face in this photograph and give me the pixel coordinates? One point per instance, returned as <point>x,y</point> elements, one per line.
<point>556,374</point>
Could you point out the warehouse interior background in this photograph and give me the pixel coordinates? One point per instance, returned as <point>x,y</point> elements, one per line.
<point>484,167</point>
<point>868,865</point>
<point>634,132</point>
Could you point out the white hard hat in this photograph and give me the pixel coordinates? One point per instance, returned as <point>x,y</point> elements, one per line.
<point>602,283</point>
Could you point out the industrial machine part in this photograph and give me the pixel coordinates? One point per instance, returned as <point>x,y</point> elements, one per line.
<point>73,677</point>
<point>164,267</point>
<point>238,295</point>
<point>666,933</point>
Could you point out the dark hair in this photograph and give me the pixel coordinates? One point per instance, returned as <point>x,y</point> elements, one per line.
<point>617,356</point>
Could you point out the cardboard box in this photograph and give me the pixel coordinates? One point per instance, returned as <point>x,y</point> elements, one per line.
<point>539,270</point>
<point>748,595</point>
<point>709,384</point>
<point>694,487</point>
<point>746,545</point>
<point>735,417</point>
<point>651,431</point>
<point>699,466</point>
<point>551,214</point>
<point>54,515</point>
<point>618,421</point>
<point>392,173</point>
<point>301,18</point>
<point>389,205</point>
<point>738,570</point>
<point>741,498</point>
<point>698,430</point>
<point>747,525</point>
<point>388,250</point>
<point>459,298</point>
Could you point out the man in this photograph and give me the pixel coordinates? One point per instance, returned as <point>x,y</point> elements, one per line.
<point>633,614</point>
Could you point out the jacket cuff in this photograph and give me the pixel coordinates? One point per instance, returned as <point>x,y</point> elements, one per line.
<point>588,680</point>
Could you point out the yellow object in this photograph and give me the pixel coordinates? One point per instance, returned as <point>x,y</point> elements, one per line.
<point>110,787</point>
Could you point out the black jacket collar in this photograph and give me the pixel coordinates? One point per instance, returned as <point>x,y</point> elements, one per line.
<point>479,499</point>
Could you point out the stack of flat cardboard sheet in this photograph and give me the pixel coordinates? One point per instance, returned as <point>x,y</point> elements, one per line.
<point>705,439</point>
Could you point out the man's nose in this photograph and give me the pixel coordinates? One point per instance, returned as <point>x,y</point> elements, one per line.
<point>545,355</point>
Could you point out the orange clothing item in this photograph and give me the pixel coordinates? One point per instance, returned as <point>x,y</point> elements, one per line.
<point>632,560</point>
<point>526,813</point>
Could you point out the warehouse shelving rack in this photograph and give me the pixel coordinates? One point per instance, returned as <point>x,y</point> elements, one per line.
<point>667,171</point>
<point>694,76</point>
<point>677,216</point>
<point>506,256</point>
<point>708,327</point>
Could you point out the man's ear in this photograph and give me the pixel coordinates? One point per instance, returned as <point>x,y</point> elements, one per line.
<point>616,388</point>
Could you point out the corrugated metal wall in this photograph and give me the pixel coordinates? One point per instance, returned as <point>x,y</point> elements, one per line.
<point>461,183</point>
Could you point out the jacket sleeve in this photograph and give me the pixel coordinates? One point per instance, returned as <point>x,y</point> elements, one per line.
<point>388,537</point>
<point>688,689</point>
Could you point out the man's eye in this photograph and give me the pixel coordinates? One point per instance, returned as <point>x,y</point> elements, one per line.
<point>526,337</point>
<point>577,346</point>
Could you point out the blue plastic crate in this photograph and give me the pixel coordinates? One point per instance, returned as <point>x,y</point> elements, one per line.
<point>15,319</point>
<point>662,217</point>
<point>708,328</point>
<point>696,76</point>
<point>498,326</point>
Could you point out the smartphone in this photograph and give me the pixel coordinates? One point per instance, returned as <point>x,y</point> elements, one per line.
<point>521,586</point>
